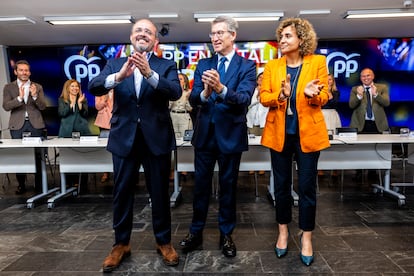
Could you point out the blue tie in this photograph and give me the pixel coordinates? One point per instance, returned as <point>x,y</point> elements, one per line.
<point>222,68</point>
<point>369,105</point>
<point>222,71</point>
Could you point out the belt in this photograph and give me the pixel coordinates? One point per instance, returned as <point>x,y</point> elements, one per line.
<point>26,118</point>
<point>179,111</point>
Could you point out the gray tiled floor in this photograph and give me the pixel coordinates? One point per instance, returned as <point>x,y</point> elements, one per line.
<point>362,234</point>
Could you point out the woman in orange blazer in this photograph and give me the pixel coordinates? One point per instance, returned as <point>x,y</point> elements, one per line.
<point>294,87</point>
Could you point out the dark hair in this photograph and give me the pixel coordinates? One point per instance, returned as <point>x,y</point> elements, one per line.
<point>22,61</point>
<point>258,75</point>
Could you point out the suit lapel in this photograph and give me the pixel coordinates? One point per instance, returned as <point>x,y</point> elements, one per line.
<point>282,72</point>
<point>131,85</point>
<point>304,72</point>
<point>15,89</point>
<point>231,69</point>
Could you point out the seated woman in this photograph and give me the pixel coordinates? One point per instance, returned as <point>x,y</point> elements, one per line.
<point>329,110</point>
<point>73,110</point>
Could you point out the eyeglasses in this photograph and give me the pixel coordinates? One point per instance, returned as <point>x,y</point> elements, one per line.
<point>146,31</point>
<point>219,34</point>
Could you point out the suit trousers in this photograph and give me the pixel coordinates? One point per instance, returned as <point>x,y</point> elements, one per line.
<point>228,164</point>
<point>156,170</point>
<point>39,154</point>
<point>370,127</point>
<point>307,164</point>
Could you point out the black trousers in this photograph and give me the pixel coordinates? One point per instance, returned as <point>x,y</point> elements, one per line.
<point>157,171</point>
<point>39,154</point>
<point>307,172</point>
<point>228,164</point>
<point>370,128</point>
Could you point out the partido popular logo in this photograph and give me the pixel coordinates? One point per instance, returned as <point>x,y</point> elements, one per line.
<point>342,63</point>
<point>79,67</point>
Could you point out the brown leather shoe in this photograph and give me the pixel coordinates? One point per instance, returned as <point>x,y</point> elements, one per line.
<point>169,255</point>
<point>118,253</point>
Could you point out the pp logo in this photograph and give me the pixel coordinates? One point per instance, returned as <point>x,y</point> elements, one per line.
<point>81,67</point>
<point>342,63</point>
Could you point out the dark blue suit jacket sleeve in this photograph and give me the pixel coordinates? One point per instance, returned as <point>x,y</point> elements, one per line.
<point>150,111</point>
<point>229,114</point>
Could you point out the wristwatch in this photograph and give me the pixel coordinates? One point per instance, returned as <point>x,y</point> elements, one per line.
<point>150,75</point>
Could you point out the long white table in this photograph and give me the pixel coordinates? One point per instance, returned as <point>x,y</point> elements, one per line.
<point>365,151</point>
<point>17,156</point>
<point>77,156</point>
<point>74,156</point>
<point>257,158</point>
<point>86,157</point>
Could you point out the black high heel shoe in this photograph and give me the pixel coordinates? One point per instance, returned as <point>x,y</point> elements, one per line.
<point>281,252</point>
<point>306,260</point>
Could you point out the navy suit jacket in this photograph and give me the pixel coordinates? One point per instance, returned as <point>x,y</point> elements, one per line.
<point>150,110</point>
<point>229,115</point>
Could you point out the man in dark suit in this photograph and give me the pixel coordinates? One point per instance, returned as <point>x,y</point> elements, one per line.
<point>368,102</point>
<point>220,133</point>
<point>141,133</point>
<point>25,100</point>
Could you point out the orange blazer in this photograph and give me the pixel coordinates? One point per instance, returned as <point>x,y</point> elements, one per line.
<point>312,128</point>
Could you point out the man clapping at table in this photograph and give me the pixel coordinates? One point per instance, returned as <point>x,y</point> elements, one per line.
<point>25,100</point>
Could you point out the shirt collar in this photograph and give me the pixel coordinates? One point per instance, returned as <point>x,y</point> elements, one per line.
<point>229,56</point>
<point>19,83</point>
<point>149,54</point>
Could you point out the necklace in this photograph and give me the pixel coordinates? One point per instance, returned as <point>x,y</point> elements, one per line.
<point>293,88</point>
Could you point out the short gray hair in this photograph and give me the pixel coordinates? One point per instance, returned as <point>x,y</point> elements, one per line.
<point>232,24</point>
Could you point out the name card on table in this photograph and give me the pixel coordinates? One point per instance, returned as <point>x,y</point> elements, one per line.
<point>88,139</point>
<point>32,140</point>
<point>348,134</point>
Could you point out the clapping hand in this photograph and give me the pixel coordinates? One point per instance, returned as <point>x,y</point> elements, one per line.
<point>33,90</point>
<point>313,88</point>
<point>285,87</point>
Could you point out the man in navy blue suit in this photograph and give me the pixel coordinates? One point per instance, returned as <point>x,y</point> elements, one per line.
<point>141,134</point>
<point>220,133</point>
